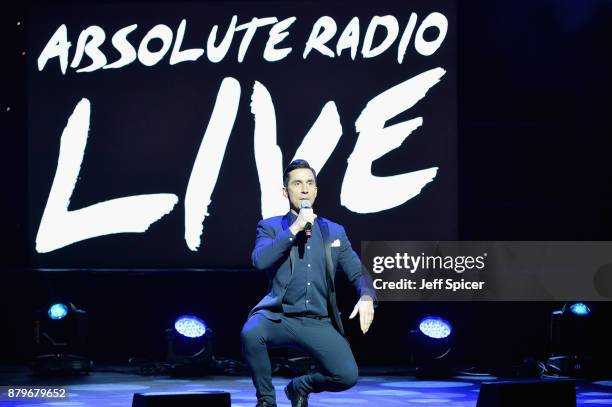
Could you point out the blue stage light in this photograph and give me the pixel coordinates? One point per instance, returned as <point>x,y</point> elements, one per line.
<point>57,311</point>
<point>435,327</point>
<point>60,338</point>
<point>190,326</point>
<point>580,309</point>
<point>189,347</point>
<point>576,344</point>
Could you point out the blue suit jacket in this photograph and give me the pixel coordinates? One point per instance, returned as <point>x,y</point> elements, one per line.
<point>275,252</point>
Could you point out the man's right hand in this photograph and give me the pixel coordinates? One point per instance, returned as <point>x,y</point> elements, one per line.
<point>305,216</point>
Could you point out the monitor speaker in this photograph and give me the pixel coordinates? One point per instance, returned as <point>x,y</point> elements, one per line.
<point>171,399</point>
<point>558,393</point>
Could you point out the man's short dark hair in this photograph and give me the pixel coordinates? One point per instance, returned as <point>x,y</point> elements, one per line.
<point>295,164</point>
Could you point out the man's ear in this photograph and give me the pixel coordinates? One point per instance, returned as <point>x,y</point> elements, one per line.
<point>285,193</point>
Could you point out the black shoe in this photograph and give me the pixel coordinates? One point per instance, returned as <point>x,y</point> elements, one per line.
<point>264,404</point>
<point>297,400</point>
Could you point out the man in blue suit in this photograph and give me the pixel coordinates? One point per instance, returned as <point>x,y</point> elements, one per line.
<point>300,253</point>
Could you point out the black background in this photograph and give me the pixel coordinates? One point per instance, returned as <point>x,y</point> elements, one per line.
<point>533,143</point>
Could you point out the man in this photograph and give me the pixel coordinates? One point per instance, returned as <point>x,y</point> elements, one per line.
<point>300,308</point>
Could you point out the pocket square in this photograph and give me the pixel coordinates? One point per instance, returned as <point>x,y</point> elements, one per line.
<point>336,243</point>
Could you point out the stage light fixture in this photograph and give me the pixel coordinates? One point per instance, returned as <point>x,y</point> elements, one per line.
<point>58,311</point>
<point>572,338</point>
<point>190,326</point>
<point>435,327</point>
<point>189,346</point>
<point>580,309</point>
<point>60,331</point>
<point>431,343</point>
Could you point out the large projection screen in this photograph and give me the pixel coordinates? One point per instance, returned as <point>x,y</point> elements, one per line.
<point>158,132</point>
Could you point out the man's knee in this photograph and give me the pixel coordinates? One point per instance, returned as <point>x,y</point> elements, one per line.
<point>347,376</point>
<point>251,335</point>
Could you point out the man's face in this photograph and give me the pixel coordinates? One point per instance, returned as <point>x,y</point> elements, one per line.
<point>301,185</point>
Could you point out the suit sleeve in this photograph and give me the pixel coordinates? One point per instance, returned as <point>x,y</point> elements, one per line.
<point>270,247</point>
<point>354,269</point>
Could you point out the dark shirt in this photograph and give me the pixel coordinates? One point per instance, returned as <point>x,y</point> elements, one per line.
<point>307,290</point>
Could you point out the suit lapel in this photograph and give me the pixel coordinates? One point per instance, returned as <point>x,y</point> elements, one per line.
<point>324,227</point>
<point>285,224</point>
<point>328,258</point>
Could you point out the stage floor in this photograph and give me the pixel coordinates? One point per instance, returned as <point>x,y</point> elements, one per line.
<point>114,387</point>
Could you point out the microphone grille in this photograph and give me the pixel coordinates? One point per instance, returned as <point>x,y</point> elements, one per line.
<point>305,204</point>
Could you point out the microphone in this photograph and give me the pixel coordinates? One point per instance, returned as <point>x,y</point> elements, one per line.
<point>305,204</point>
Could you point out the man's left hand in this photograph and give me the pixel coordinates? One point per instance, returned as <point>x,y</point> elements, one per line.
<point>365,308</point>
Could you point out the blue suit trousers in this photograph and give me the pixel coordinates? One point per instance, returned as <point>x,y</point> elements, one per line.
<point>316,337</point>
